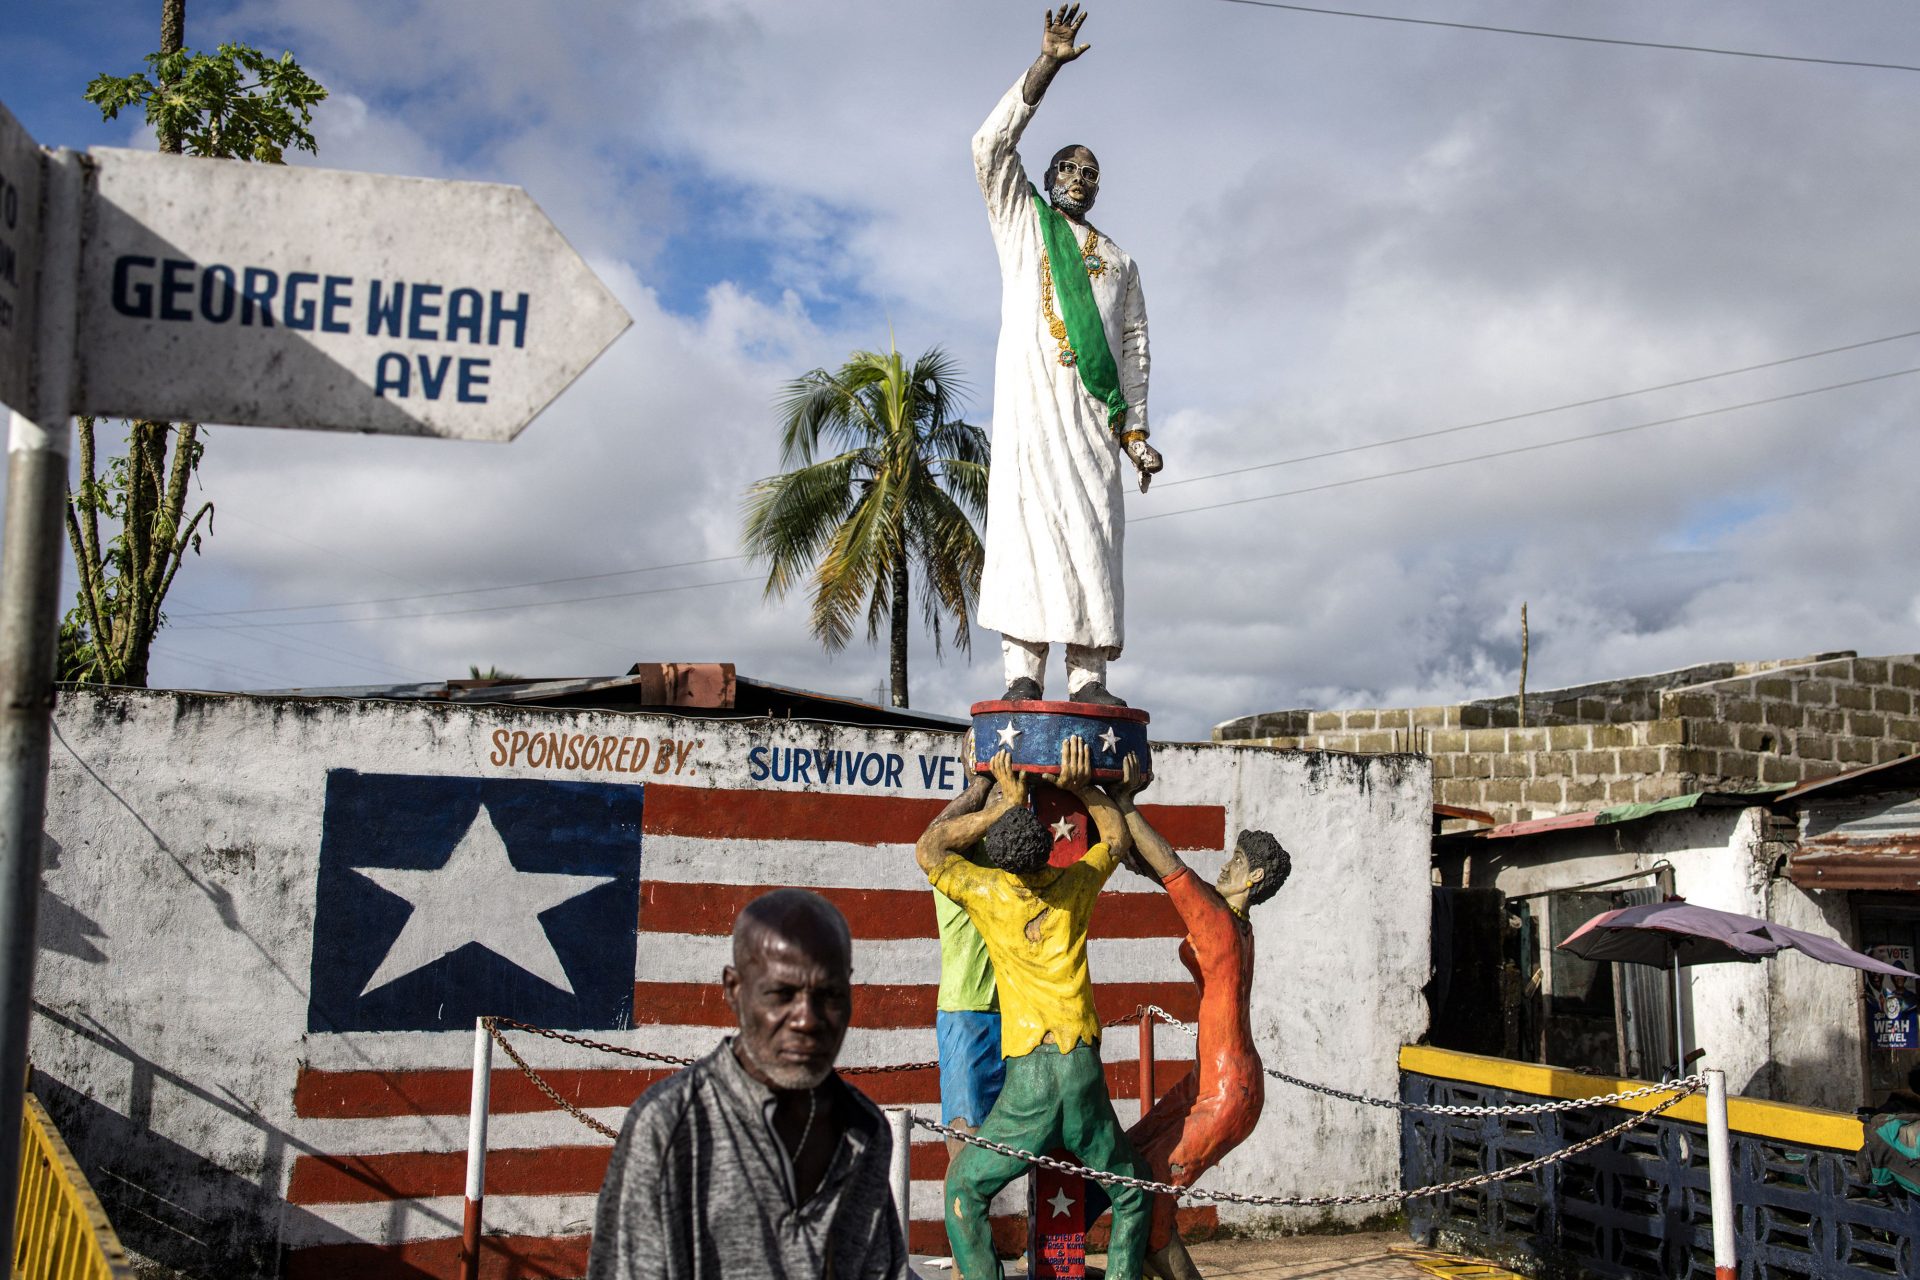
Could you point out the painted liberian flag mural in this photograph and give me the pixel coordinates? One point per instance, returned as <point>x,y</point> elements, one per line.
<point>444,899</point>
<point>585,883</point>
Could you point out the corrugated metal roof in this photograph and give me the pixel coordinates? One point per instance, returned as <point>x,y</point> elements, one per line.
<point>1892,775</point>
<point>686,688</point>
<point>1630,812</point>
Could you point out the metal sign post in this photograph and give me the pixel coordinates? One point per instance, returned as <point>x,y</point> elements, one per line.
<point>38,368</point>
<point>177,289</point>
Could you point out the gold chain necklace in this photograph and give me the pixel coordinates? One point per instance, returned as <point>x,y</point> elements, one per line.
<point>1095,266</point>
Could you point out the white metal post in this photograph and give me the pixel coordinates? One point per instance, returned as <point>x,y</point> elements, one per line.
<point>37,449</point>
<point>1720,1174</point>
<point>476,1150</point>
<point>900,1120</point>
<point>1680,986</point>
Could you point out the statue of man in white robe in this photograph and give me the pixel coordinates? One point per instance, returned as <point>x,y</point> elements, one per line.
<point>1069,400</point>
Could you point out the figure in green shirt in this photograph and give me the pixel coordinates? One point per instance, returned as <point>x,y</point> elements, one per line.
<point>966,1020</point>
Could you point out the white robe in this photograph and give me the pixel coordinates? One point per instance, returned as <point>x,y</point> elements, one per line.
<point>1055,520</point>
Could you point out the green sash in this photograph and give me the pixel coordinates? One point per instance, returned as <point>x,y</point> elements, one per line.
<point>1073,293</point>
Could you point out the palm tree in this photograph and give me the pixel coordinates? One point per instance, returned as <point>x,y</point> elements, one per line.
<point>903,486</point>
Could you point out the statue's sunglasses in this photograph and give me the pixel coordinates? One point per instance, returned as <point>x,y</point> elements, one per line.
<point>1072,168</point>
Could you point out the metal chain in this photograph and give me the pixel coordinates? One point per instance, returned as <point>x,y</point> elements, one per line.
<point>1694,1082</point>
<point>1691,1083</point>
<point>585,1043</point>
<point>493,1029</point>
<point>624,1052</point>
<point>1377,1197</point>
<point>1684,1088</point>
<point>898,1066</point>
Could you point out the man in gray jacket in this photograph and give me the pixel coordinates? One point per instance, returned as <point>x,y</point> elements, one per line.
<point>758,1160</point>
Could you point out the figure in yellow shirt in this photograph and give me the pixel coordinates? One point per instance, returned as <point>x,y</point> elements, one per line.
<point>1034,919</point>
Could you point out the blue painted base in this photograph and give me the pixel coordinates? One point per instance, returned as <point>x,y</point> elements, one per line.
<point>1033,732</point>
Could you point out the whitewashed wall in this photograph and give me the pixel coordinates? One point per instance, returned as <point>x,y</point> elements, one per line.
<point>1787,1028</point>
<point>178,940</point>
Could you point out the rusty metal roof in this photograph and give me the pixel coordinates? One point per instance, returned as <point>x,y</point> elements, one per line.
<point>711,689</point>
<point>1904,772</point>
<point>1627,813</point>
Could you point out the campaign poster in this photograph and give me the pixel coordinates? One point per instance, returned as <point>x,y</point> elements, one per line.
<point>1894,1005</point>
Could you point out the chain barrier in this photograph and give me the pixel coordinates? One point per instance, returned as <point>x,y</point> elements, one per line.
<point>1394,1104</point>
<point>493,1029</point>
<point>1680,1089</point>
<point>585,1043</point>
<point>1130,1019</point>
<point>1686,1088</point>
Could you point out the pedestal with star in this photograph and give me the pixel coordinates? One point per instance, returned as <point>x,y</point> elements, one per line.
<point>1032,733</point>
<point>1056,1224</point>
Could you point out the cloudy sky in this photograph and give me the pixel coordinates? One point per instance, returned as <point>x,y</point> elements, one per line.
<point>1350,231</point>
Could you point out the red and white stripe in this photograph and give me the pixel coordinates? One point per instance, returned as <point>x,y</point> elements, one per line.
<point>382,1117</point>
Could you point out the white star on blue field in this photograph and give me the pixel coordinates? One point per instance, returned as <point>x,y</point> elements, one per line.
<point>1443,321</point>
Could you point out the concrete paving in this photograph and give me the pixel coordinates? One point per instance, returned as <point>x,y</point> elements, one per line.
<point>1370,1255</point>
<point>1362,1256</point>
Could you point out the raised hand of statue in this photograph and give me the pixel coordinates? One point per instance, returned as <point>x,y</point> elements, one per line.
<point>1013,783</point>
<point>1057,44</point>
<point>1076,764</point>
<point>1133,780</point>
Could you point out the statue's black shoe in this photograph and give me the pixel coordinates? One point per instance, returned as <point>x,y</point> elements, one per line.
<point>1025,689</point>
<point>1095,693</point>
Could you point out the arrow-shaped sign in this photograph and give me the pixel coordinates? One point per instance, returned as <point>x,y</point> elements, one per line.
<point>215,291</point>
<point>157,286</point>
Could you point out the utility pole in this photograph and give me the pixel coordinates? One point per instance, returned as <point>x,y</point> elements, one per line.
<point>1523,665</point>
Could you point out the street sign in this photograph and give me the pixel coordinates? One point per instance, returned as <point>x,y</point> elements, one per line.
<point>21,175</point>
<point>267,295</point>
<point>163,287</point>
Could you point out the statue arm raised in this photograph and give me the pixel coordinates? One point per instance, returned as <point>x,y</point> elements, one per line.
<point>1056,50</point>
<point>996,160</point>
<point>1153,848</point>
<point>1076,776</point>
<point>951,832</point>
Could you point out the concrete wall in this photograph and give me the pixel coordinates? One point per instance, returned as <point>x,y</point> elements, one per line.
<point>1650,738</point>
<point>1788,1028</point>
<point>205,1041</point>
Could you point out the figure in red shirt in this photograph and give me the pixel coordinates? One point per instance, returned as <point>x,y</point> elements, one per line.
<point>1213,1108</point>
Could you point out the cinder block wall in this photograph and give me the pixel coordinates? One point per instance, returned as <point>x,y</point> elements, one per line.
<point>1722,725</point>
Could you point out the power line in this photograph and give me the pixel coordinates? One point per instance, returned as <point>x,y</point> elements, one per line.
<point>467,591</point>
<point>1562,35</point>
<point>1535,413</point>
<point>571,636</point>
<point>1525,448</point>
<point>1162,486</point>
<point>308,647</point>
<point>485,608</point>
<point>221,665</point>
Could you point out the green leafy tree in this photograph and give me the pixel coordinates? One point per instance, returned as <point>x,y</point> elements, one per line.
<point>234,104</point>
<point>900,489</point>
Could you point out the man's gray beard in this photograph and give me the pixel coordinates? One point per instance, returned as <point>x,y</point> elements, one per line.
<point>784,1077</point>
<point>1066,203</point>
